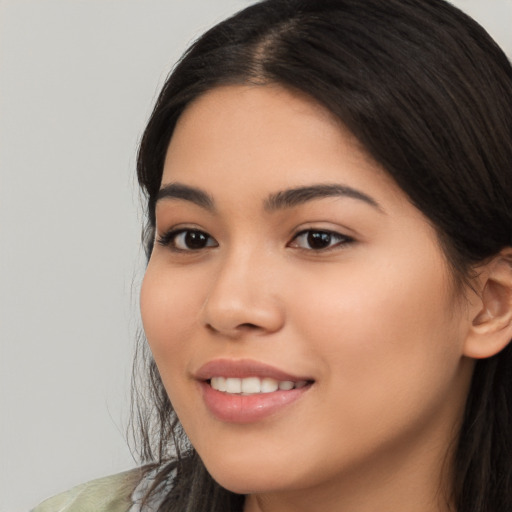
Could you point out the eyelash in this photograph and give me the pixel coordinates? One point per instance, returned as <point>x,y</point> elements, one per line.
<point>341,240</point>
<point>169,239</point>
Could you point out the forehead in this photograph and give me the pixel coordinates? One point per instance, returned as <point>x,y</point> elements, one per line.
<point>256,138</point>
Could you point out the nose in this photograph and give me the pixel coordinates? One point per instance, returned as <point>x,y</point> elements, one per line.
<point>243,298</point>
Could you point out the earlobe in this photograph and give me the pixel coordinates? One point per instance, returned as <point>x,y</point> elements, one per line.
<point>491,327</point>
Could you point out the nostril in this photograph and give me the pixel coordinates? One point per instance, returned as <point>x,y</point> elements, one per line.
<point>248,326</point>
<point>211,328</point>
<point>239,329</point>
<point>236,318</point>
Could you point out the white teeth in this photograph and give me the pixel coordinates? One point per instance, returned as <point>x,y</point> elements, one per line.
<point>253,385</point>
<point>233,385</point>
<point>269,385</point>
<point>286,385</point>
<point>219,383</point>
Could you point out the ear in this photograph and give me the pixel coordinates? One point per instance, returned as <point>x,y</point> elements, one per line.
<point>491,328</point>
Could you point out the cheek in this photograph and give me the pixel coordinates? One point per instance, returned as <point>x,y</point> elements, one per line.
<point>387,335</point>
<point>169,309</point>
<point>171,302</point>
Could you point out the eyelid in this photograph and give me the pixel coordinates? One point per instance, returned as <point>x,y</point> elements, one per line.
<point>343,239</point>
<point>173,229</point>
<point>167,238</point>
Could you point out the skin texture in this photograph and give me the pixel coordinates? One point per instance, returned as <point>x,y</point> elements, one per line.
<point>374,319</point>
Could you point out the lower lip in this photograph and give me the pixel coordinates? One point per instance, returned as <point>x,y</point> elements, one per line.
<point>232,408</point>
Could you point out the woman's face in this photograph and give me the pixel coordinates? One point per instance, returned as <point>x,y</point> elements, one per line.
<point>286,258</point>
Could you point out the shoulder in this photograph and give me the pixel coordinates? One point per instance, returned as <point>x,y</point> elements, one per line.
<point>109,494</point>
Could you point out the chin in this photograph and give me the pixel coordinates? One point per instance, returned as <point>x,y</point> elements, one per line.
<point>251,478</point>
<point>248,483</point>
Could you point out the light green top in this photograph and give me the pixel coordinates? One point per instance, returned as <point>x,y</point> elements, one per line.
<point>110,494</point>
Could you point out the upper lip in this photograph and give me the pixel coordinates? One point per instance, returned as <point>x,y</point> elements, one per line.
<point>242,368</point>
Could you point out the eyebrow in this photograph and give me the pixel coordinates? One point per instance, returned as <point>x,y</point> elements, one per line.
<point>296,196</point>
<point>192,194</point>
<point>277,201</point>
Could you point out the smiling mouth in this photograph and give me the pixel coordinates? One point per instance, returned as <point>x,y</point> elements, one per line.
<point>246,391</point>
<point>254,385</point>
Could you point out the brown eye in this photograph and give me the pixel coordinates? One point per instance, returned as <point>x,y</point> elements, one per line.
<point>188,240</point>
<point>191,240</point>
<point>315,240</point>
<point>318,240</point>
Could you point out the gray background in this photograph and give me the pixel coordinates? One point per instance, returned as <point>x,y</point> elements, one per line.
<point>77,82</point>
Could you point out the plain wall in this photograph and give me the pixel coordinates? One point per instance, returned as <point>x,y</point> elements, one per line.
<point>77,83</point>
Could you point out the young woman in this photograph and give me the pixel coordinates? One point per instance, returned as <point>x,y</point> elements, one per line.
<point>328,297</point>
